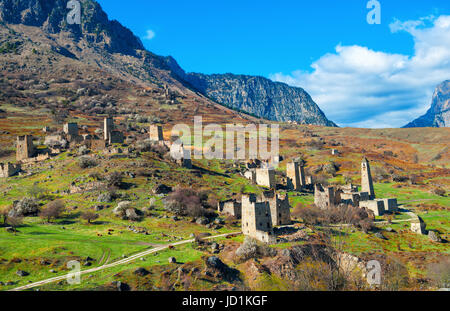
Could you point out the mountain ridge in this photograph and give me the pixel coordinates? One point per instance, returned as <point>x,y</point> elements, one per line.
<point>439,113</point>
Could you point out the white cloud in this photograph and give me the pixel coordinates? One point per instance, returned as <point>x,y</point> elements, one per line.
<point>150,34</point>
<point>357,86</point>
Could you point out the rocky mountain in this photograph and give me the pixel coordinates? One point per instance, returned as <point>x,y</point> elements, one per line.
<point>439,113</point>
<point>40,26</point>
<point>259,96</point>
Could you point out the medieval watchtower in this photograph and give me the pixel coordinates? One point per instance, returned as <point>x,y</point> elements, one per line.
<point>256,219</point>
<point>366,179</point>
<point>296,173</point>
<point>25,147</point>
<point>108,127</point>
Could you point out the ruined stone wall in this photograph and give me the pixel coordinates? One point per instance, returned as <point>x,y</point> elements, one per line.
<point>231,207</point>
<point>8,169</point>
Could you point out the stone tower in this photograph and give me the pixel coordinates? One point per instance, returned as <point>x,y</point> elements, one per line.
<point>25,147</point>
<point>296,172</point>
<point>156,133</point>
<point>108,127</point>
<point>366,179</point>
<point>256,219</point>
<point>280,209</point>
<point>71,129</point>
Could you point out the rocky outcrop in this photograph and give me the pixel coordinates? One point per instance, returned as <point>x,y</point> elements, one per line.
<point>439,113</point>
<point>95,26</point>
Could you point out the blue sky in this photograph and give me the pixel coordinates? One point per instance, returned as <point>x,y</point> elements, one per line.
<point>307,44</point>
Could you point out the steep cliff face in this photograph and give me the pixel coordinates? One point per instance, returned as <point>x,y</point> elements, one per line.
<point>95,26</point>
<point>439,113</point>
<point>260,96</point>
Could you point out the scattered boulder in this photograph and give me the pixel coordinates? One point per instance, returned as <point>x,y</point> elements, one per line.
<point>162,189</point>
<point>434,236</point>
<point>22,273</point>
<point>202,221</point>
<point>380,236</point>
<point>215,263</point>
<point>172,260</point>
<point>24,207</point>
<point>105,198</point>
<point>141,272</point>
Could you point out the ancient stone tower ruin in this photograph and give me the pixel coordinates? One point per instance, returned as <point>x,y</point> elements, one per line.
<point>280,209</point>
<point>366,179</point>
<point>71,129</point>
<point>25,147</point>
<point>108,127</point>
<point>156,133</point>
<point>325,197</point>
<point>256,219</point>
<point>296,174</point>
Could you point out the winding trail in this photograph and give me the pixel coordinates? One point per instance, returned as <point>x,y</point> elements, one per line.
<point>119,262</point>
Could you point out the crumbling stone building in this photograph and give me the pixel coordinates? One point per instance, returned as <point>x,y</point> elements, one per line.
<point>257,219</point>
<point>230,207</point>
<point>71,129</point>
<point>25,148</point>
<point>326,197</point>
<point>9,169</point>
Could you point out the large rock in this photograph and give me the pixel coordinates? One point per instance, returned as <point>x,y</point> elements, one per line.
<point>24,207</point>
<point>434,236</point>
<point>162,189</point>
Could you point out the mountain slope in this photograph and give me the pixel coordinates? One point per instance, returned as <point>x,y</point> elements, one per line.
<point>101,44</point>
<point>439,113</point>
<point>258,96</point>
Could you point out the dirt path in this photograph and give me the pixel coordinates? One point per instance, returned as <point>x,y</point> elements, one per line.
<point>117,263</point>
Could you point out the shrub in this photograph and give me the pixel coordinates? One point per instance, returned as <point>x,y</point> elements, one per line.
<point>114,180</point>
<point>439,191</point>
<point>53,210</point>
<point>89,216</point>
<point>188,202</point>
<point>87,162</point>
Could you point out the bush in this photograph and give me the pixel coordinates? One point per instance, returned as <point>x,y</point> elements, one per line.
<point>439,191</point>
<point>53,210</point>
<point>87,162</point>
<point>188,202</point>
<point>114,180</point>
<point>89,216</point>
